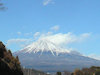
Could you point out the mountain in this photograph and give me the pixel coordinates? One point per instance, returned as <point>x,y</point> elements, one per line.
<point>46,56</point>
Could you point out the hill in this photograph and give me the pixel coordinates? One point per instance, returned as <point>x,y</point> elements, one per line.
<point>9,65</point>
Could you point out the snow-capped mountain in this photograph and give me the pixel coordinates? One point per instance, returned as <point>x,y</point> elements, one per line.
<point>46,56</point>
<point>44,46</point>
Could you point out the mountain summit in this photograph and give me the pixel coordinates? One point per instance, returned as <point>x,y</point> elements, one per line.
<point>49,57</point>
<point>44,45</point>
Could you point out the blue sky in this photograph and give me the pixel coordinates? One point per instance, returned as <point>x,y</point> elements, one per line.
<point>24,18</point>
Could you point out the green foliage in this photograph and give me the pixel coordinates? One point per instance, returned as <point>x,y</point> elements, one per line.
<point>97,72</point>
<point>72,73</point>
<point>58,73</point>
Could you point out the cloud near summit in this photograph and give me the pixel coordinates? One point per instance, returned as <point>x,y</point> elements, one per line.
<point>60,39</point>
<point>64,39</point>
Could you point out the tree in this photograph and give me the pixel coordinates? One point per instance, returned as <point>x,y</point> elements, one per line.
<point>17,58</point>
<point>94,70</point>
<point>9,51</point>
<point>97,72</point>
<point>2,49</point>
<point>9,65</point>
<point>58,73</point>
<point>78,72</point>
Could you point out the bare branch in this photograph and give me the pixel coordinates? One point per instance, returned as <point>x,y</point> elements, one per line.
<point>2,7</point>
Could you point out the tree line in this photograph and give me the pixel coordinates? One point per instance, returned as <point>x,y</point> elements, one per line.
<point>94,70</point>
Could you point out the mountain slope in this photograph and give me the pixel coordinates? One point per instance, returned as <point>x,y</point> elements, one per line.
<point>46,56</point>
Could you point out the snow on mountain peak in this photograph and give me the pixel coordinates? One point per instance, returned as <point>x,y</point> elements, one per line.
<point>44,45</point>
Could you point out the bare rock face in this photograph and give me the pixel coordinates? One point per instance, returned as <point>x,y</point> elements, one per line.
<point>9,65</point>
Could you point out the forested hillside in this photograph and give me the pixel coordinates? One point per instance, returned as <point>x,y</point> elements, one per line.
<point>9,65</point>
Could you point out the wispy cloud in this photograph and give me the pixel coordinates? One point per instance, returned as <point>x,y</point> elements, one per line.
<point>36,34</point>
<point>94,56</point>
<point>19,33</point>
<point>60,39</point>
<point>55,28</point>
<point>46,2</point>
<point>28,34</point>
<point>18,41</point>
<point>64,39</point>
<point>25,34</point>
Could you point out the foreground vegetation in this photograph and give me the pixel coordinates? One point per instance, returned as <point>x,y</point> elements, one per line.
<point>9,65</point>
<point>85,71</point>
<point>88,71</point>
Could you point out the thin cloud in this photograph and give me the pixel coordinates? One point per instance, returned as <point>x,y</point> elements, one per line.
<point>49,33</point>
<point>18,41</point>
<point>28,34</point>
<point>36,34</point>
<point>64,39</point>
<point>19,33</point>
<point>60,39</point>
<point>94,56</point>
<point>55,28</point>
<point>46,2</point>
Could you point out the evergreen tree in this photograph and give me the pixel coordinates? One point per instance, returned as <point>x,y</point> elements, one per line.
<point>58,73</point>
<point>9,51</point>
<point>97,72</point>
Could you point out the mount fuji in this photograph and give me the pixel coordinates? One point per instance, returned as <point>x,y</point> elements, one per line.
<point>46,56</point>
